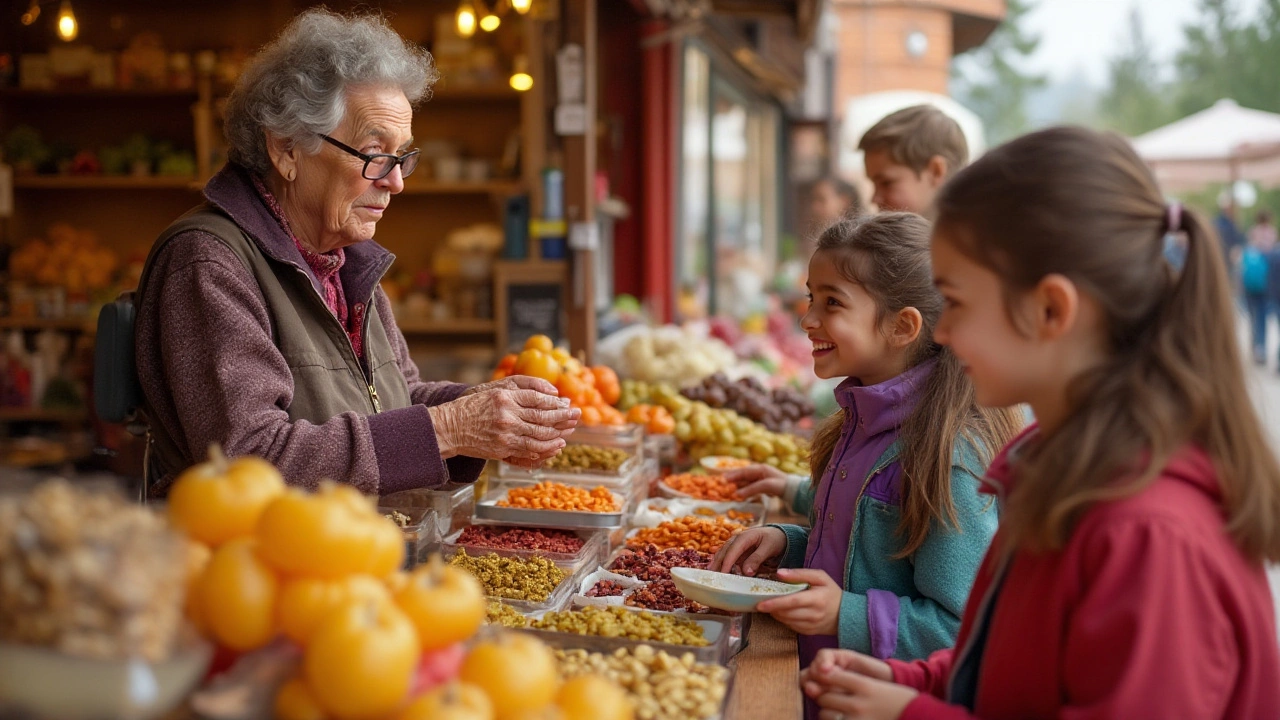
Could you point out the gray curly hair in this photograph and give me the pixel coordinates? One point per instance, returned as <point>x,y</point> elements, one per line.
<point>296,86</point>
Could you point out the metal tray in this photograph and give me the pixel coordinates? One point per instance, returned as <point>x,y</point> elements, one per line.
<point>489,510</point>
<point>557,600</point>
<point>594,548</point>
<point>758,510</point>
<point>729,684</point>
<point>620,477</point>
<point>714,627</point>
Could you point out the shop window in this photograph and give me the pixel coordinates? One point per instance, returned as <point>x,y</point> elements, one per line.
<point>727,234</point>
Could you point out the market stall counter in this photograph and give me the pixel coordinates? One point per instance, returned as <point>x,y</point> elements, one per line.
<point>767,682</point>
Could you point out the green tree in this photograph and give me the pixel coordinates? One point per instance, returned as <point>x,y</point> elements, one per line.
<point>1136,98</point>
<point>1214,62</point>
<point>991,79</point>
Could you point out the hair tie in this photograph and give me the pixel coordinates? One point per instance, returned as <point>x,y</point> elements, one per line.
<point>1173,217</point>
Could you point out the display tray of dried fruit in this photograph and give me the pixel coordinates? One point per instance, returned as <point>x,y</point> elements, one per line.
<point>580,464</point>
<point>653,511</point>
<point>490,509</point>
<point>502,539</point>
<point>557,599</point>
<point>716,629</point>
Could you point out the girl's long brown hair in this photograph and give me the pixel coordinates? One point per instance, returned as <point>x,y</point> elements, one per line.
<point>888,256</point>
<point>1081,204</point>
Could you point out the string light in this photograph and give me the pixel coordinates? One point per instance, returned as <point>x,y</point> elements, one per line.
<point>490,22</point>
<point>466,19</point>
<point>68,28</point>
<point>521,80</point>
<point>33,12</point>
<point>521,6</point>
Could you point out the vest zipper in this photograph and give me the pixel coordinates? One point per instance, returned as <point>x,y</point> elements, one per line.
<point>364,331</point>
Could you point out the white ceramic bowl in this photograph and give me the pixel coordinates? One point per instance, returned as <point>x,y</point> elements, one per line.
<point>735,593</point>
<point>48,684</point>
<point>714,463</point>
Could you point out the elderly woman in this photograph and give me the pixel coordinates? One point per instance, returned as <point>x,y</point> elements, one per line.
<point>261,324</point>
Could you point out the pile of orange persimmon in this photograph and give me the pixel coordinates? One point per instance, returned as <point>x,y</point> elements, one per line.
<point>322,570</point>
<point>593,389</point>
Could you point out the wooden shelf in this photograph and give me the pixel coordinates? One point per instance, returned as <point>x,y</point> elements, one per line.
<point>87,325</point>
<point>489,187</point>
<point>447,327</point>
<point>108,93</point>
<point>474,92</point>
<point>12,414</point>
<point>104,182</point>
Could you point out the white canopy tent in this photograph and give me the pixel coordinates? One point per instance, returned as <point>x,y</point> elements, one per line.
<point>1225,143</point>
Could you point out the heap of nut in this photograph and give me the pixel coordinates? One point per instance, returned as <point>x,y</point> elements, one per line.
<point>779,409</point>
<point>662,686</point>
<point>89,574</point>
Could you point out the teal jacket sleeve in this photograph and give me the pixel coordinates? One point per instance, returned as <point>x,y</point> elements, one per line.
<point>889,626</point>
<point>797,543</point>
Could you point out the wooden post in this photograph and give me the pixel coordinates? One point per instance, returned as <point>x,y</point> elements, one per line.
<point>580,25</point>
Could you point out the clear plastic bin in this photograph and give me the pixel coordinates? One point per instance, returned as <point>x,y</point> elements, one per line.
<point>625,474</point>
<point>594,548</point>
<point>628,437</point>
<point>662,448</point>
<point>420,535</point>
<point>715,629</point>
<point>453,504</point>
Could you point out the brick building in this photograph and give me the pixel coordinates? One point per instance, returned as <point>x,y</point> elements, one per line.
<point>905,44</point>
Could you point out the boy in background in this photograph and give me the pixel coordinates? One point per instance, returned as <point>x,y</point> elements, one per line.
<point>910,154</point>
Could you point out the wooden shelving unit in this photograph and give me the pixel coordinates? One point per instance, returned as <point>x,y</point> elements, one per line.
<point>110,93</point>
<point>9,414</point>
<point>489,187</point>
<point>447,327</point>
<point>86,325</point>
<point>105,182</point>
<point>476,92</point>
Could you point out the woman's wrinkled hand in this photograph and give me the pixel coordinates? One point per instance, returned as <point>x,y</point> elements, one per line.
<point>750,549</point>
<point>518,419</point>
<point>758,480</point>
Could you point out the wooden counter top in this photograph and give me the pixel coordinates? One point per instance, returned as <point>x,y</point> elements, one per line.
<point>767,682</point>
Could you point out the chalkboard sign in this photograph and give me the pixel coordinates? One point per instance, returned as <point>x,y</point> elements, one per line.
<point>534,310</point>
<point>530,301</point>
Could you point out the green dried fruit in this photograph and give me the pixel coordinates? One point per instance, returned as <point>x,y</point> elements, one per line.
<point>588,458</point>
<point>619,622</point>
<point>532,579</point>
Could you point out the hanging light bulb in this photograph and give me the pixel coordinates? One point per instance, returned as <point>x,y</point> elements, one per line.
<point>68,28</point>
<point>466,19</point>
<point>521,80</point>
<point>521,6</point>
<point>33,12</point>
<point>490,22</point>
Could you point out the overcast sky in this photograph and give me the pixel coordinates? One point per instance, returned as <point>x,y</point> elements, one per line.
<point>1083,34</point>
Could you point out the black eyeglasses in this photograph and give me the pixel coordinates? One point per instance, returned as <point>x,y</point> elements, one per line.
<point>380,165</point>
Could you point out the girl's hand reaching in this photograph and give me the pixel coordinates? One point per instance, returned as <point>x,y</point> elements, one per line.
<point>850,695</point>
<point>815,611</point>
<point>750,549</point>
<point>851,685</point>
<point>758,480</point>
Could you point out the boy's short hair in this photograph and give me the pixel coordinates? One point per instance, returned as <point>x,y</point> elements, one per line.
<point>914,135</point>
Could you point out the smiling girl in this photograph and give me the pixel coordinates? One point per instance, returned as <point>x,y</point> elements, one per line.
<point>1127,579</point>
<point>898,527</point>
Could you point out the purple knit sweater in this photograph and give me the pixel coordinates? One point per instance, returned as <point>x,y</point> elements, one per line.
<point>211,371</point>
